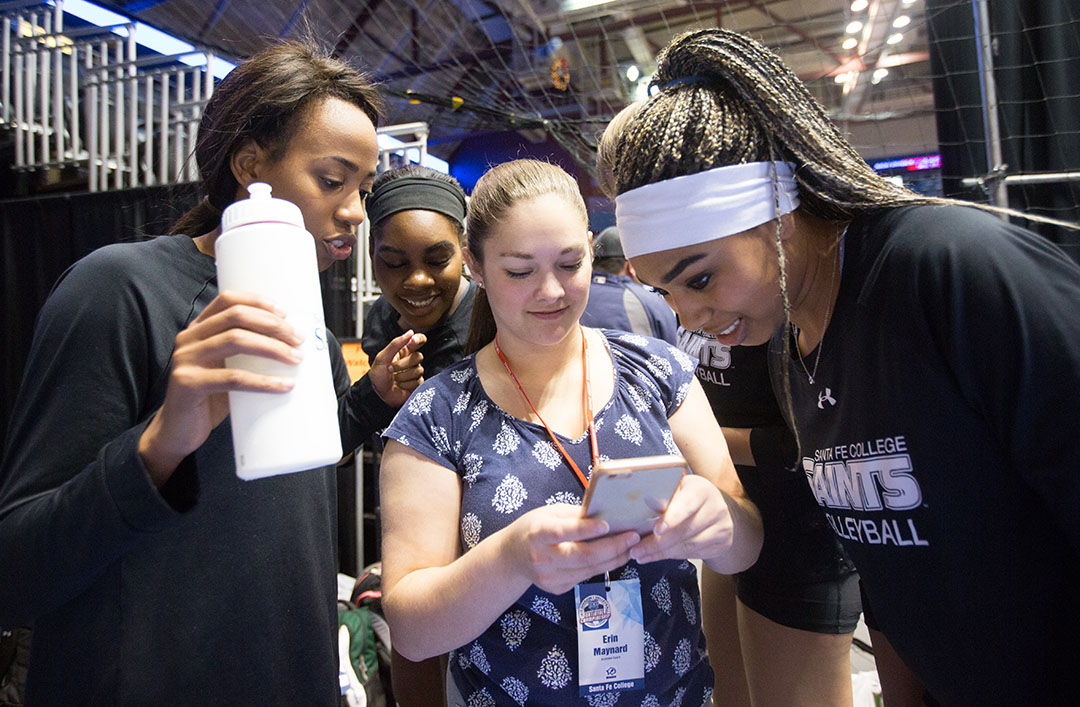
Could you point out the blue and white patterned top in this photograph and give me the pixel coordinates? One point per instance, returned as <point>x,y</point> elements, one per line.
<point>508,467</point>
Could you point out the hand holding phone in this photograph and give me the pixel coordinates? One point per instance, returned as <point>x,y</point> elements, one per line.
<point>630,494</point>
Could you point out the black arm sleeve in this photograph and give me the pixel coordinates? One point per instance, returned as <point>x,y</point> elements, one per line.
<point>1002,306</point>
<point>773,447</point>
<point>74,493</point>
<point>361,412</point>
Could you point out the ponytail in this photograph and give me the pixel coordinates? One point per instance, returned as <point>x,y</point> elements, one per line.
<point>263,100</point>
<point>495,193</point>
<point>481,325</point>
<point>199,219</point>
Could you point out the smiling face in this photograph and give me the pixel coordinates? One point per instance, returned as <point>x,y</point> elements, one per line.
<point>536,269</point>
<point>417,259</point>
<point>728,287</point>
<point>326,169</point>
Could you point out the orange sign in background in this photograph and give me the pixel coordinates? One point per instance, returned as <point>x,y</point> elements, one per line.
<point>355,359</point>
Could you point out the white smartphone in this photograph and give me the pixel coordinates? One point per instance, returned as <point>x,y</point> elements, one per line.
<point>630,494</point>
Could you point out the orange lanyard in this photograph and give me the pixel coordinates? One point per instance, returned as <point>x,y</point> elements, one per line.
<point>587,406</point>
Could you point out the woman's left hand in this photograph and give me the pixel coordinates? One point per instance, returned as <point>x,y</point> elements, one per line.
<point>696,523</point>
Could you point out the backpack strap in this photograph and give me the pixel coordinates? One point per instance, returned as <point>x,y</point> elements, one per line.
<point>640,323</point>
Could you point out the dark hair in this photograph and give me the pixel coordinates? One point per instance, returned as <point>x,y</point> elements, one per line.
<point>414,170</point>
<point>607,146</point>
<point>495,193</point>
<point>726,99</point>
<point>264,99</point>
<point>611,266</point>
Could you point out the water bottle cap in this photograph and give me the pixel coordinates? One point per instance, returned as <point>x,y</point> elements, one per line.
<point>260,207</point>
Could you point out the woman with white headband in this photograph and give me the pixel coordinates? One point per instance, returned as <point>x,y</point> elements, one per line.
<point>779,632</point>
<point>927,353</point>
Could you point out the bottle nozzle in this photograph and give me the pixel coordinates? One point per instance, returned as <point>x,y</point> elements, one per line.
<point>259,190</point>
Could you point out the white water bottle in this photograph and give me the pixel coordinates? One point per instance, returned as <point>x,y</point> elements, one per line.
<point>264,248</point>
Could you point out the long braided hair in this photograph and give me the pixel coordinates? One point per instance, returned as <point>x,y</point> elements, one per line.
<point>726,99</point>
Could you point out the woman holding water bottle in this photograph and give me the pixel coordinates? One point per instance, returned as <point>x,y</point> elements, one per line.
<point>150,571</point>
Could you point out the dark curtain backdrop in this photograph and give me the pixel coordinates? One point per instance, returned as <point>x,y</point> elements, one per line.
<point>1036,67</point>
<point>42,236</point>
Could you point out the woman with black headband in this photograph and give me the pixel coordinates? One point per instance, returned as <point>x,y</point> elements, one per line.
<point>927,353</point>
<point>417,218</point>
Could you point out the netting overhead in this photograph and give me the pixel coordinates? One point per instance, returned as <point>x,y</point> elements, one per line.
<point>901,77</point>
<point>566,66</point>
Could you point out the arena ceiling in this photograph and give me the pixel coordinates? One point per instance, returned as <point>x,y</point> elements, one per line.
<point>564,67</point>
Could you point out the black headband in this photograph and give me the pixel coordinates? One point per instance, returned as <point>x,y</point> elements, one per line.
<point>409,193</point>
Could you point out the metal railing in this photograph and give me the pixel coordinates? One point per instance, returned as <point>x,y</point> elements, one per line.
<point>83,97</point>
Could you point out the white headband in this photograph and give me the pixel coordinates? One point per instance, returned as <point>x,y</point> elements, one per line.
<point>702,207</point>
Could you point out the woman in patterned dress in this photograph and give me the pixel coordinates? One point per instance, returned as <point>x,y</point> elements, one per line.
<point>483,541</point>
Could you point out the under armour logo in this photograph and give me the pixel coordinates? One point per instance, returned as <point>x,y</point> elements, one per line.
<point>822,397</point>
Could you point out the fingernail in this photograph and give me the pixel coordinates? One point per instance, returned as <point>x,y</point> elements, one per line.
<point>632,540</point>
<point>296,354</point>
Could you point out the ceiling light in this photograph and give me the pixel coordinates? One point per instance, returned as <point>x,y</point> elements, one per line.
<point>145,35</point>
<point>860,5</point>
<point>878,75</point>
<point>840,78</point>
<point>571,5</point>
<point>901,21</point>
<point>895,38</point>
<point>908,2</point>
<point>853,27</point>
<point>850,43</point>
<point>633,73</point>
<point>641,88</point>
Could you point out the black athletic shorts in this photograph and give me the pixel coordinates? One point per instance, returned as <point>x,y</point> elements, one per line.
<point>830,606</point>
<point>803,578</point>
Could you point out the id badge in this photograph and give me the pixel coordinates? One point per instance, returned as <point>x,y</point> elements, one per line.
<point>610,637</point>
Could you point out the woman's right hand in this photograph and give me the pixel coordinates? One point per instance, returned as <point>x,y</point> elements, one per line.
<point>555,548</point>
<point>195,399</point>
<point>396,371</point>
<point>431,584</point>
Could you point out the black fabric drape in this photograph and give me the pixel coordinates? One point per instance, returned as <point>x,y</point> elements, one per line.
<point>42,236</point>
<point>1036,63</point>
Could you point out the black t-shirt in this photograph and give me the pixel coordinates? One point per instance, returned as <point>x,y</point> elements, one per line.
<point>799,546</point>
<point>213,589</point>
<point>942,442</point>
<point>445,343</point>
